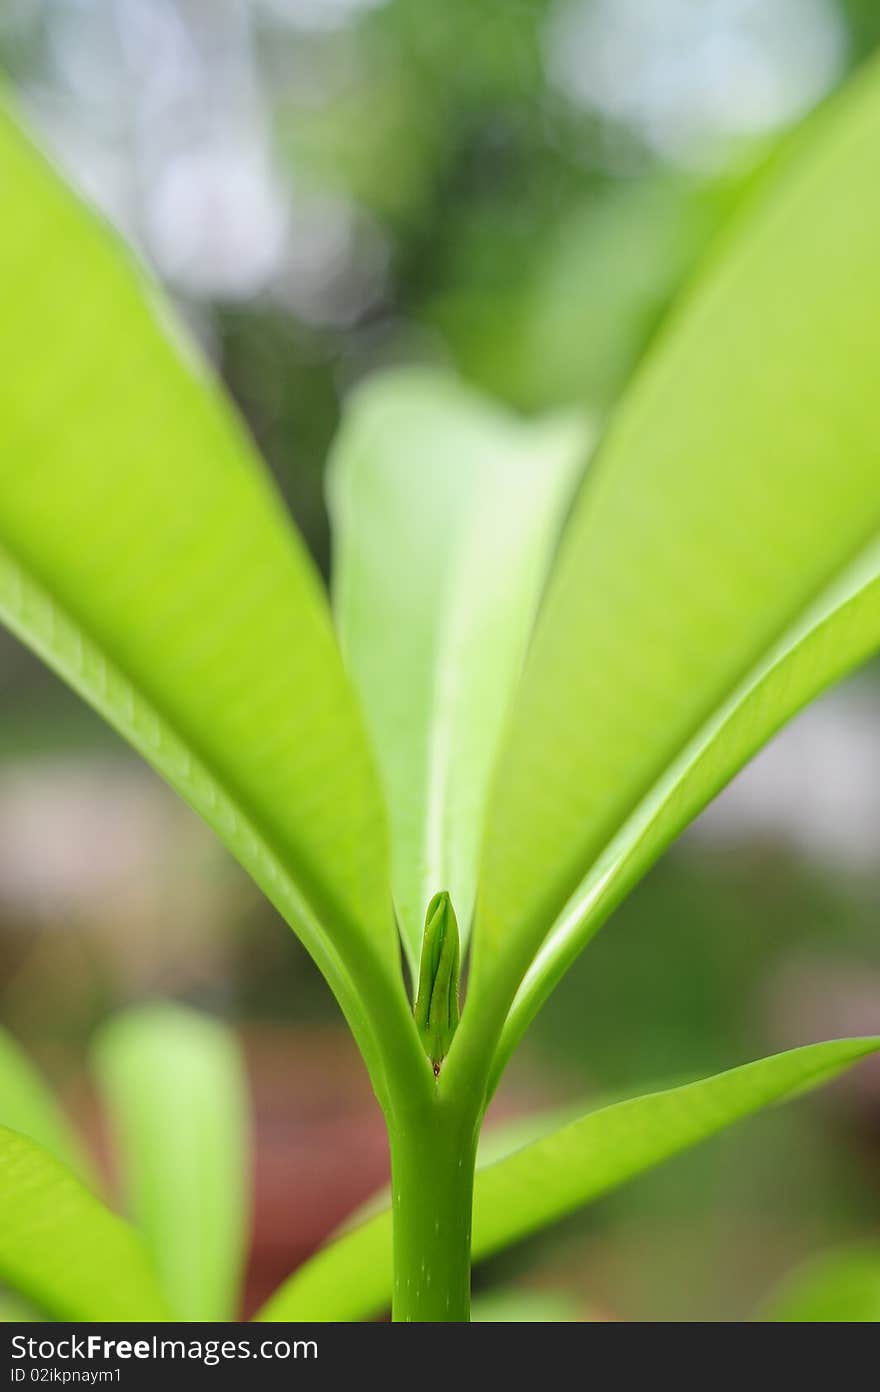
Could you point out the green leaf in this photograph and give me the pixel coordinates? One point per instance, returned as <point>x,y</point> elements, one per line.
<point>445,513</point>
<point>841,1287</point>
<point>146,556</point>
<point>735,486</point>
<point>28,1105</point>
<point>62,1249</point>
<point>173,1082</point>
<point>562,1171</point>
<point>837,633</point>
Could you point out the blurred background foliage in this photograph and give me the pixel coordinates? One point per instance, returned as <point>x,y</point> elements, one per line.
<point>517,188</point>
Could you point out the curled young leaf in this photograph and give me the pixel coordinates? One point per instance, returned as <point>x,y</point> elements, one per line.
<point>436,1008</point>
<point>446,511</point>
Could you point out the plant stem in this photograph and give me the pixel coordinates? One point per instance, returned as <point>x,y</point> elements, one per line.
<point>433,1152</point>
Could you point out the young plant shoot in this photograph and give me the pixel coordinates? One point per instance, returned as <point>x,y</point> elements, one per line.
<point>548,647</point>
<point>436,1007</point>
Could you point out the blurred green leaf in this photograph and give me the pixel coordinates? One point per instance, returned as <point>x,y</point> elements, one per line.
<point>62,1249</point>
<point>604,281</point>
<point>173,1082</point>
<point>145,555</point>
<point>841,1287</point>
<point>543,1181</point>
<point>28,1105</point>
<point>526,1307</point>
<point>735,486</point>
<point>567,316</point>
<point>446,511</point>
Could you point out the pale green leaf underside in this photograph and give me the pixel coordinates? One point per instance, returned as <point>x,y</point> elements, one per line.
<point>62,1249</point>
<point>739,480</point>
<point>837,633</point>
<point>145,555</point>
<point>174,1088</point>
<point>351,1279</point>
<point>446,510</point>
<point>840,1287</point>
<point>28,1105</point>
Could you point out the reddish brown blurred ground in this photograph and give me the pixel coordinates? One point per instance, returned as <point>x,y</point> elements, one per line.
<point>320,1144</point>
<point>320,1147</point>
